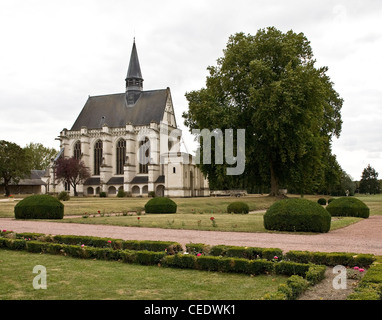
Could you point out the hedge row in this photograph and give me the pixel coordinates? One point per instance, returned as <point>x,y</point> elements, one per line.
<point>184,261</point>
<point>290,290</point>
<point>211,263</point>
<point>143,257</point>
<point>157,246</point>
<point>331,258</point>
<point>370,287</point>
<point>235,251</point>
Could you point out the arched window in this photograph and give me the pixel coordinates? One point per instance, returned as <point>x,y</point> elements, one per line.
<point>77,150</point>
<point>121,155</point>
<point>97,157</point>
<point>144,156</point>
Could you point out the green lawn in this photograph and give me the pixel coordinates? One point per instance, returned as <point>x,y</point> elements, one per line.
<point>192,213</point>
<point>77,279</point>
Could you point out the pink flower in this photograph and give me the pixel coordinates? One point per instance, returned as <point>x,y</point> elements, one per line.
<point>108,241</point>
<point>199,254</point>
<point>275,257</point>
<point>356,268</point>
<point>82,245</point>
<point>4,230</point>
<point>361,270</point>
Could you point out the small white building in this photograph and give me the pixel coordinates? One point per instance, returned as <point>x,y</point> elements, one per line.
<point>130,141</point>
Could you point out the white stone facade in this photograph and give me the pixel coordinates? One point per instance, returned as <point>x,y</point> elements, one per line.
<point>130,141</point>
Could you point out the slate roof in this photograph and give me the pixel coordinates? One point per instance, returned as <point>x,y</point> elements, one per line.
<point>34,179</point>
<point>134,71</point>
<point>140,179</point>
<point>114,111</point>
<point>115,180</point>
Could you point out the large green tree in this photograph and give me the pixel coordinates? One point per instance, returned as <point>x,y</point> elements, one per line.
<point>14,164</point>
<point>269,85</point>
<point>40,156</point>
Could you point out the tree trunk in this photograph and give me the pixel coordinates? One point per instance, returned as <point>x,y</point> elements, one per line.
<point>275,190</point>
<point>7,191</point>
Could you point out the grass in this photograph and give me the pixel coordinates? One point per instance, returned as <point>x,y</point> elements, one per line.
<point>76,279</point>
<point>192,213</point>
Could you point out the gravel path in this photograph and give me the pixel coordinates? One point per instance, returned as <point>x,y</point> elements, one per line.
<point>362,237</point>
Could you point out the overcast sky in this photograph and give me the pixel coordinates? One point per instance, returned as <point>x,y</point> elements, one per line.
<point>54,54</point>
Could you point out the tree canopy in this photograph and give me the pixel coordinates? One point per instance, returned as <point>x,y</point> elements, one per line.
<point>268,84</point>
<point>71,171</point>
<point>39,155</point>
<point>14,164</point>
<point>369,182</point>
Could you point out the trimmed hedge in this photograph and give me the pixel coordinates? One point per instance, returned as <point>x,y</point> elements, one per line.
<point>116,244</point>
<point>246,252</point>
<point>156,246</point>
<point>160,205</point>
<point>297,215</point>
<point>297,284</point>
<point>348,207</point>
<point>238,207</point>
<point>370,287</point>
<point>331,258</point>
<point>220,264</point>
<point>321,201</point>
<point>40,206</point>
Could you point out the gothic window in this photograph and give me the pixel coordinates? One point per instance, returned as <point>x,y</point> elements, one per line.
<point>144,156</point>
<point>121,155</point>
<point>97,157</point>
<point>77,150</point>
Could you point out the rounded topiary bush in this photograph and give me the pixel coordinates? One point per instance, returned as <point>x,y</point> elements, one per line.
<point>348,207</point>
<point>160,205</point>
<point>297,215</point>
<point>237,207</point>
<point>39,207</point>
<point>321,201</point>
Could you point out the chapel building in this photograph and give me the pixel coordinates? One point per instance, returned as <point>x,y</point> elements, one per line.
<point>130,141</point>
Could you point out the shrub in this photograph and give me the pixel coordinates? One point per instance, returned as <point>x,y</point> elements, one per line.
<point>160,205</point>
<point>321,201</point>
<point>298,286</point>
<point>63,196</point>
<point>315,274</point>
<point>330,200</point>
<point>121,193</point>
<point>195,248</point>
<point>297,215</point>
<point>152,194</point>
<point>291,268</point>
<point>39,207</point>
<point>102,194</point>
<point>348,207</point>
<point>237,207</point>
<point>183,261</point>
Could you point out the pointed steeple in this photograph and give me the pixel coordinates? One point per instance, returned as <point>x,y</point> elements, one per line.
<point>134,80</point>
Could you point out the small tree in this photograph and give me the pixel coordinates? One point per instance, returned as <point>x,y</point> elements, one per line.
<point>72,171</point>
<point>369,182</point>
<point>14,164</point>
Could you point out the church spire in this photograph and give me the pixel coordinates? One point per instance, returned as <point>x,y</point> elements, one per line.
<point>134,80</point>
